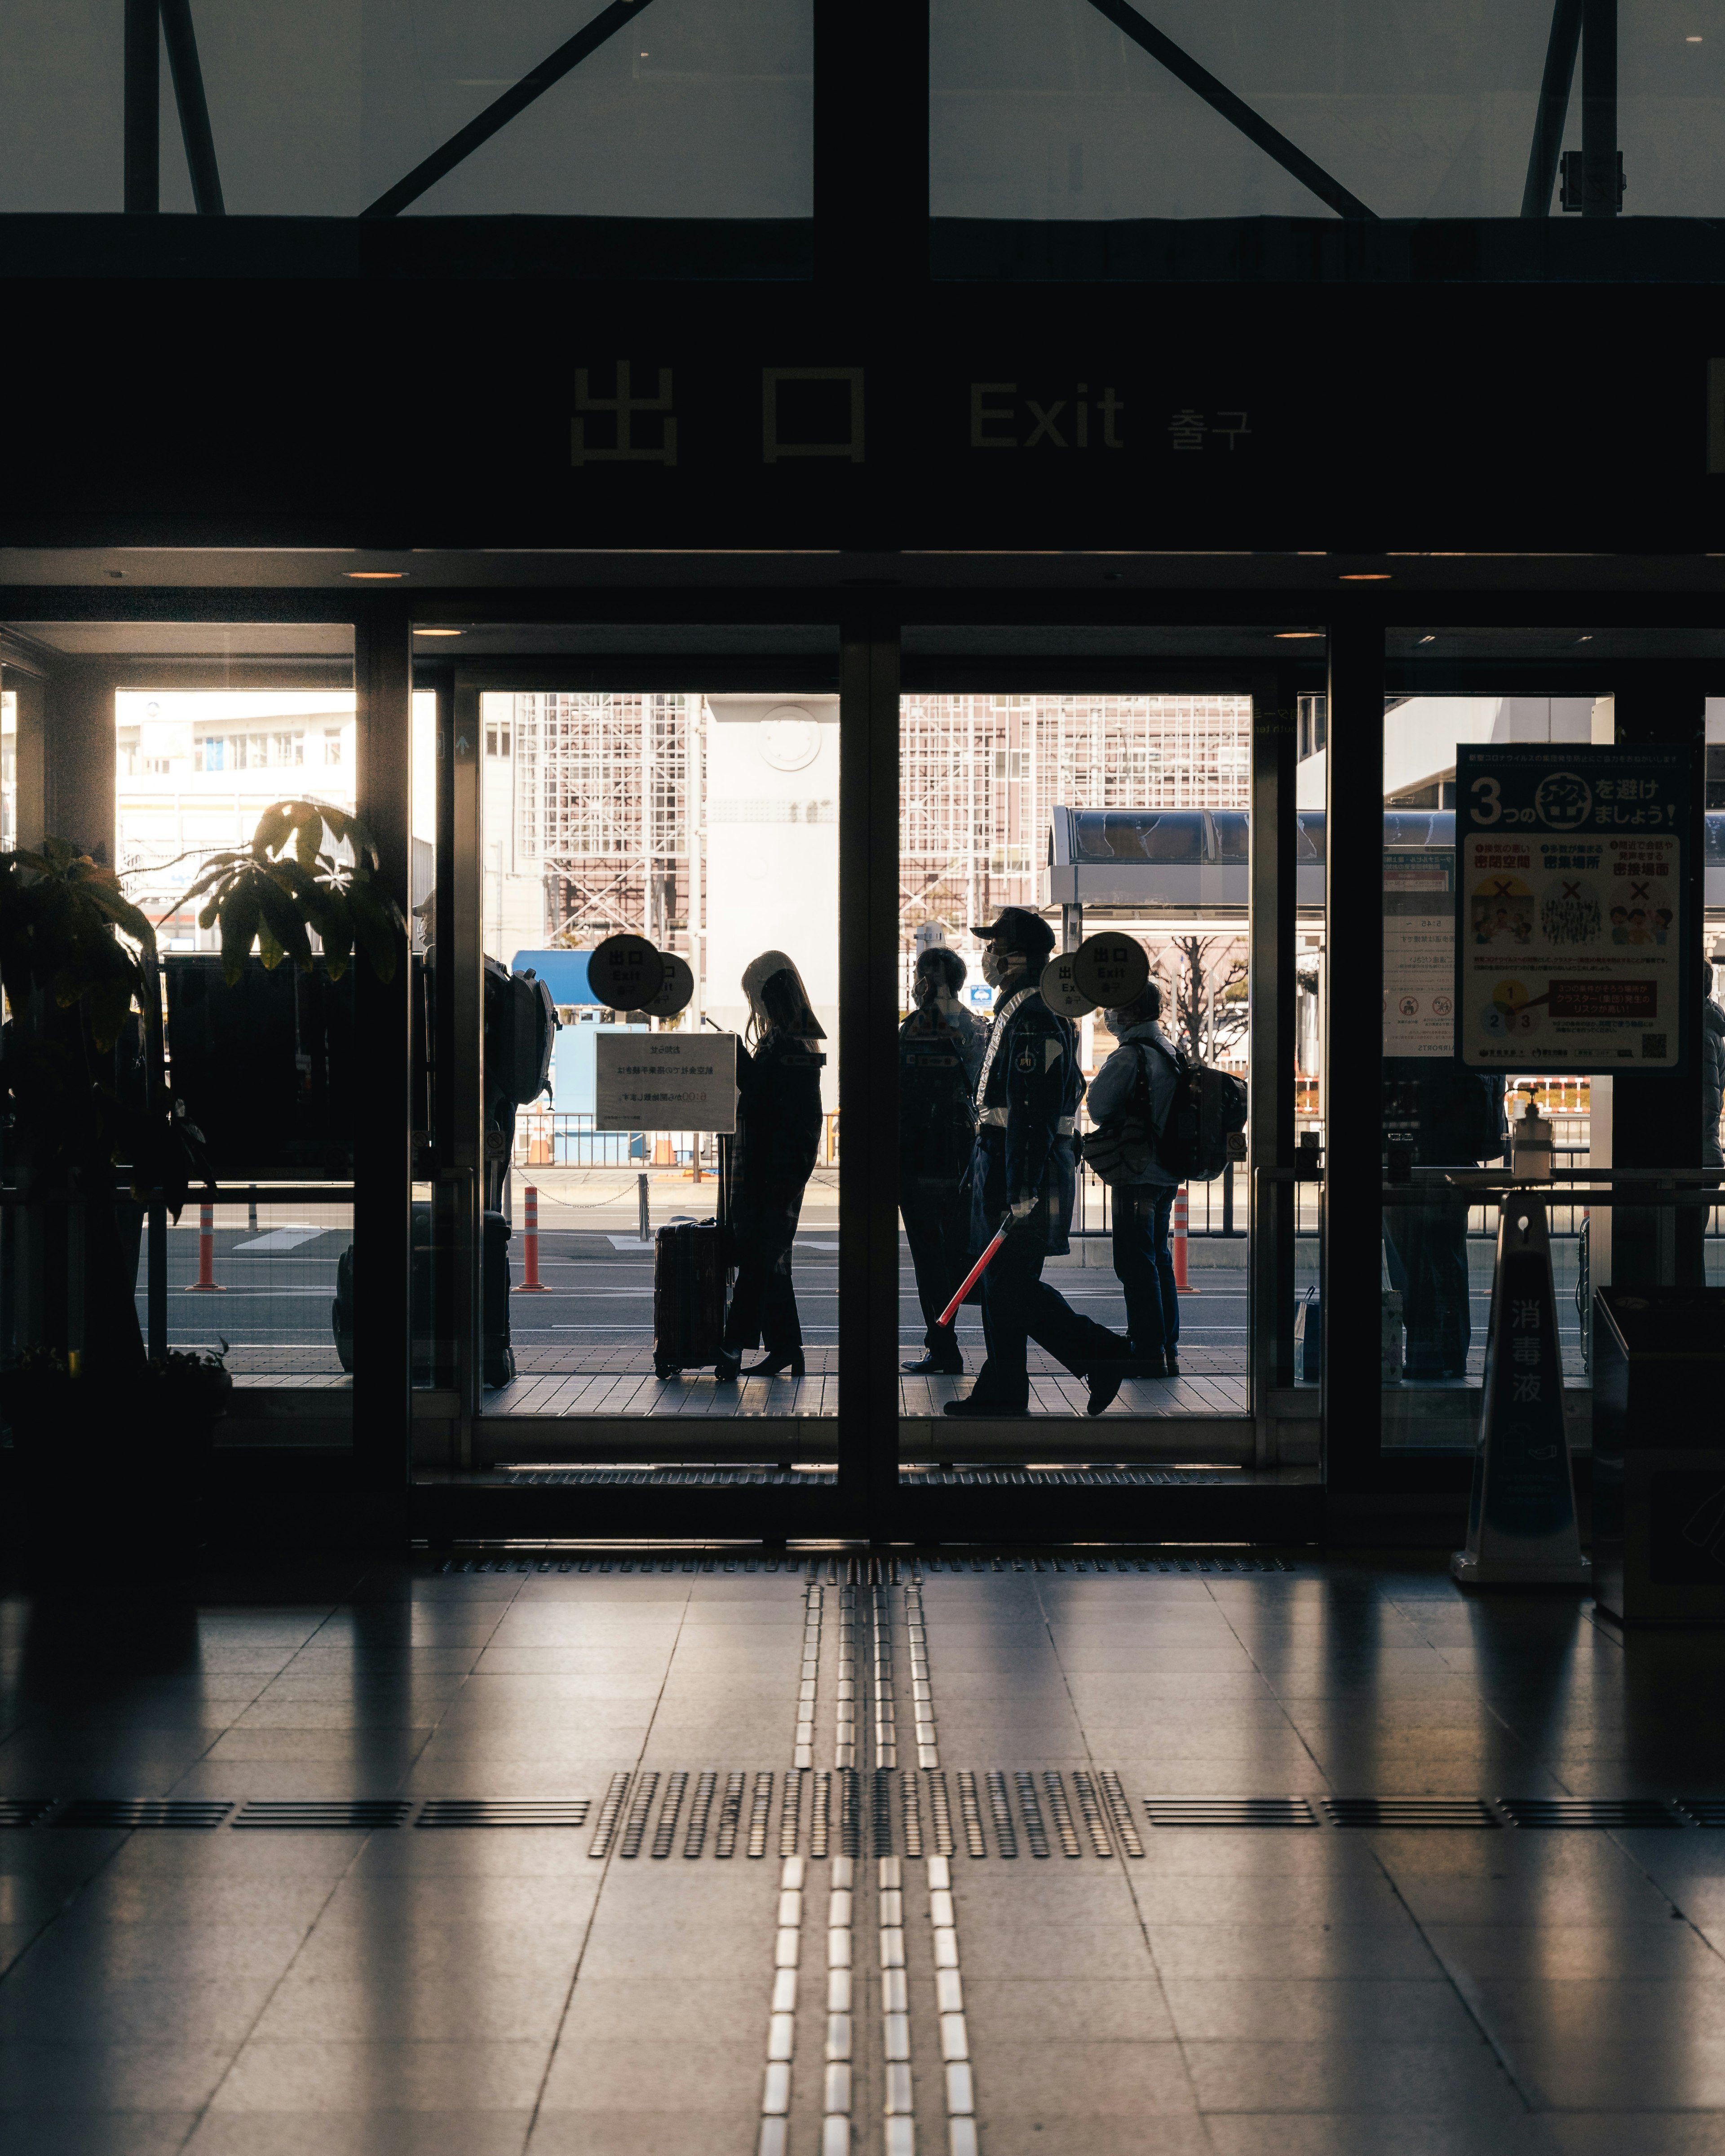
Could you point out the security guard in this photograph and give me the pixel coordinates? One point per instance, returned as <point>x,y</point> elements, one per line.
<point>940,1051</point>
<point>1023,1171</point>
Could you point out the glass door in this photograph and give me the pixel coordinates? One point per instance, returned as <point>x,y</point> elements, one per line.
<point>630,976</point>
<point>1079,900</point>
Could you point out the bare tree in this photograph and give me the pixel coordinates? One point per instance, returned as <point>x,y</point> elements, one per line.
<point>1195,973</point>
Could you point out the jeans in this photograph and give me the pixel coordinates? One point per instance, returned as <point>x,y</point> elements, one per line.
<point>1145,1266</point>
<point>1018,1306</point>
<point>937,1217</point>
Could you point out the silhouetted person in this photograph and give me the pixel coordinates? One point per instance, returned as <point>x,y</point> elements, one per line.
<point>1456,1119</point>
<point>940,1051</point>
<point>1712,1071</point>
<point>1023,1170</point>
<point>1140,1078</point>
<point>773,1156</point>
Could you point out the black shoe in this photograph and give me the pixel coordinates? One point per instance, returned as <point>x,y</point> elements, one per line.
<point>725,1369</point>
<point>934,1365</point>
<point>1104,1382</point>
<point>1171,1368</point>
<point>791,1365</point>
<point>971,1405</point>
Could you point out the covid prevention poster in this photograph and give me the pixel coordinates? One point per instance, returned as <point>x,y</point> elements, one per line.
<point>1420,953</point>
<point>1571,938</point>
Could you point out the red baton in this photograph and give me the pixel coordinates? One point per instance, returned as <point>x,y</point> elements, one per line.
<point>973,1276</point>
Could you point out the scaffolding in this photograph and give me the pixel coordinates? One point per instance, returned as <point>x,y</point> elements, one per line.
<point>607,789</point>
<point>980,776</point>
<point>602,786</point>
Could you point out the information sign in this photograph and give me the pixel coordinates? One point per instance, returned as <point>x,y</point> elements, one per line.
<point>1060,991</point>
<point>1420,953</point>
<point>1571,927</point>
<point>666,1081</point>
<point>676,991</point>
<point>625,972</point>
<point>1111,969</point>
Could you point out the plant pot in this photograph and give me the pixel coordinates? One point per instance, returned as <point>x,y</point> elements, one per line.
<point>97,1461</point>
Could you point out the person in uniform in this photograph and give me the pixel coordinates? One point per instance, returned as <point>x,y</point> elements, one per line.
<point>773,1156</point>
<point>1023,1174</point>
<point>940,1051</point>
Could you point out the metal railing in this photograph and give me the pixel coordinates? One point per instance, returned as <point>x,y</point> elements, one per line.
<point>569,1137</point>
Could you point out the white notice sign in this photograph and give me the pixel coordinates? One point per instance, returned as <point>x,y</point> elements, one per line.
<point>666,1081</point>
<point>1420,953</point>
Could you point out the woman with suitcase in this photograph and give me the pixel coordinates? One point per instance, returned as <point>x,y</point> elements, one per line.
<point>773,1156</point>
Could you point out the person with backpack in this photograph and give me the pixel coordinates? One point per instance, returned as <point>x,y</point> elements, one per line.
<point>1024,1181</point>
<point>1138,1083</point>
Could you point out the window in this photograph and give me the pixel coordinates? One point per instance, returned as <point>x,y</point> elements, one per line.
<point>497,738</point>
<point>209,754</point>
<point>332,745</point>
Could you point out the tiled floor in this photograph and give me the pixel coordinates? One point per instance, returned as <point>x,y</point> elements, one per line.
<point>1199,1991</point>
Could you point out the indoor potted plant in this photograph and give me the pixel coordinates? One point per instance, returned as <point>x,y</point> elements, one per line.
<point>84,1094</point>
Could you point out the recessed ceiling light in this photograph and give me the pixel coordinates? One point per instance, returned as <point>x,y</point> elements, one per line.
<point>1691,41</point>
<point>1365,577</point>
<point>1293,635</point>
<point>1584,640</point>
<point>375,576</point>
<point>1428,639</point>
<point>438,632</point>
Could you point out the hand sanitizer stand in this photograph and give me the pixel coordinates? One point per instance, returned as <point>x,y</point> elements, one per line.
<point>1521,1518</point>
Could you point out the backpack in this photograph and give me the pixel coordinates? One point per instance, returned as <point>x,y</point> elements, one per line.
<point>1119,1148</point>
<point>1208,1110</point>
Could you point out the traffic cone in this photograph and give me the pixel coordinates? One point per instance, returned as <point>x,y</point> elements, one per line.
<point>206,1282</point>
<point>1182,1284</point>
<point>530,1283</point>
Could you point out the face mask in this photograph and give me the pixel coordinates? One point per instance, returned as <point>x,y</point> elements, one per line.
<point>999,969</point>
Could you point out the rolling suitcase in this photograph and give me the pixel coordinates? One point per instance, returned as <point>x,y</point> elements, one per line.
<point>691,1274</point>
<point>688,1281</point>
<point>497,1352</point>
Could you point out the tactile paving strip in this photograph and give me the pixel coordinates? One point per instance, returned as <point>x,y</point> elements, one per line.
<point>699,1811</point>
<point>634,1827</point>
<point>1589,1811</point>
<point>883,1804</point>
<point>1120,1811</point>
<point>971,1813</point>
<point>1091,1807</point>
<point>1411,1811</point>
<point>729,1816</point>
<point>25,1811</point>
<point>1230,1811</point>
<point>1099,1566</point>
<point>490,1811</point>
<point>142,1811</point>
<point>609,1811</point>
<point>664,1832</point>
<point>940,1806</point>
<point>363,1813</point>
<point>1006,1839</point>
<point>1035,1833</point>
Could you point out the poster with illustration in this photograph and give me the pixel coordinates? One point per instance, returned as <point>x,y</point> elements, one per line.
<point>1571,927</point>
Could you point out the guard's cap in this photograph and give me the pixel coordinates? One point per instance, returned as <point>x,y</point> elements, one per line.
<point>1017,929</point>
